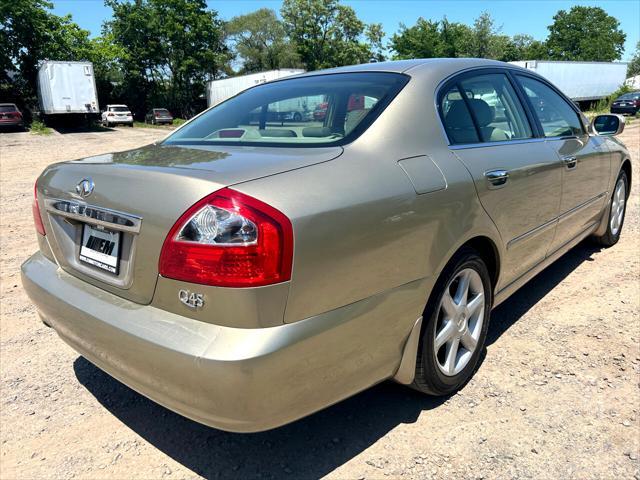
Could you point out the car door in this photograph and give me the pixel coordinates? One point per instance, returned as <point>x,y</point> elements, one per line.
<point>516,174</point>
<point>586,159</point>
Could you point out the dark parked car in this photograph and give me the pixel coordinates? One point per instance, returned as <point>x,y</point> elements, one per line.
<point>158,116</point>
<point>628,103</point>
<point>10,116</point>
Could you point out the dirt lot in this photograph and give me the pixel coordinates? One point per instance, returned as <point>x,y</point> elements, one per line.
<point>557,396</point>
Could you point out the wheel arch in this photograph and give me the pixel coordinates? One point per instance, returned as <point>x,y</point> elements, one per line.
<point>626,167</point>
<point>488,251</point>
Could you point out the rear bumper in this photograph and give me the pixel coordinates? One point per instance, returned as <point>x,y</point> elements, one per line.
<point>120,121</point>
<point>241,380</point>
<point>627,110</point>
<point>9,122</point>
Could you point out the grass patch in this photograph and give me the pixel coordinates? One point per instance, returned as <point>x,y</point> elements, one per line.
<point>39,128</point>
<point>176,122</point>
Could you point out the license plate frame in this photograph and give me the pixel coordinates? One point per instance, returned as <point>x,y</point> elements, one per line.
<point>101,247</point>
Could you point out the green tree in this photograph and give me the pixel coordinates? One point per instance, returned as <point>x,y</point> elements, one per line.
<point>633,68</point>
<point>429,39</point>
<point>585,33</point>
<point>168,50</point>
<point>525,47</point>
<point>374,35</point>
<point>326,34</point>
<point>260,40</point>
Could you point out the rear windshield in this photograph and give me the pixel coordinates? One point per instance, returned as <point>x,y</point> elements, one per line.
<point>308,111</point>
<point>118,109</point>
<point>630,96</point>
<point>161,111</point>
<point>8,108</point>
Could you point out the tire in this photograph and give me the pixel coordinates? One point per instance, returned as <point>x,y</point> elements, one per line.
<point>435,373</point>
<point>617,212</point>
<point>297,117</point>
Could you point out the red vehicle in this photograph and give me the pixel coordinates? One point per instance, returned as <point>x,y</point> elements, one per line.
<point>321,111</point>
<point>10,116</point>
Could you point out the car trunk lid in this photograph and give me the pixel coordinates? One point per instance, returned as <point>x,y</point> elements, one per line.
<point>135,197</point>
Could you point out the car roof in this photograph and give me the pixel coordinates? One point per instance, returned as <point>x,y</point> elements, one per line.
<point>7,104</point>
<point>117,105</point>
<point>414,66</point>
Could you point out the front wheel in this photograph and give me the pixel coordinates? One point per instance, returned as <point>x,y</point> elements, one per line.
<point>456,322</point>
<point>616,212</point>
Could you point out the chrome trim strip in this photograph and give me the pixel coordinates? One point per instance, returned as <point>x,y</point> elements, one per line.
<point>464,146</point>
<point>506,291</point>
<point>558,219</point>
<point>530,233</point>
<point>105,217</point>
<point>574,210</point>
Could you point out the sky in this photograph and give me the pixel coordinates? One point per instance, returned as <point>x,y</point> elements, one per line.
<point>525,16</point>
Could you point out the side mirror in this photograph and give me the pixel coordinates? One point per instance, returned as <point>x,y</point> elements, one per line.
<point>608,125</point>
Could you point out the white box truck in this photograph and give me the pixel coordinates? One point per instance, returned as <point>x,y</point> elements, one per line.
<point>219,90</point>
<point>580,81</point>
<point>66,88</point>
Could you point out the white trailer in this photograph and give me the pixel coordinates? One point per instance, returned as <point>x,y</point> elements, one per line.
<point>219,90</point>
<point>67,88</point>
<point>580,81</point>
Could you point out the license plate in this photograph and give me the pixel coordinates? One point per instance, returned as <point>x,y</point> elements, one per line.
<point>101,248</point>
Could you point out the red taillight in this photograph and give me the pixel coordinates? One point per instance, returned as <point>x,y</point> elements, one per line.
<point>35,208</point>
<point>229,239</point>
<point>111,114</point>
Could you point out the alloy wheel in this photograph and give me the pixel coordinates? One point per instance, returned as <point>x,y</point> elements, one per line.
<point>460,318</point>
<point>617,206</point>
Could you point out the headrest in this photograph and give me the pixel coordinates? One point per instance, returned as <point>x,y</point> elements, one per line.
<point>316,132</point>
<point>483,112</point>
<point>458,117</point>
<point>277,132</point>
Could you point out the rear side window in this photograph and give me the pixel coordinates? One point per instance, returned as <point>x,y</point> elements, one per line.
<point>557,117</point>
<point>490,111</point>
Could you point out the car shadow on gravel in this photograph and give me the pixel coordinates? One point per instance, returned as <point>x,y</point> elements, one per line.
<point>308,448</point>
<point>313,446</point>
<point>509,312</point>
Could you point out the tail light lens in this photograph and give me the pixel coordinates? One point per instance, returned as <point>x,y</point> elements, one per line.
<point>111,114</point>
<point>229,239</point>
<point>35,209</point>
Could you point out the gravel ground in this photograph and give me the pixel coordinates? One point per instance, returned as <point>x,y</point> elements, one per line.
<point>557,395</point>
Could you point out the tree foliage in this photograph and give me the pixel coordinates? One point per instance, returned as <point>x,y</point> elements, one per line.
<point>328,34</point>
<point>428,39</point>
<point>587,34</point>
<point>260,40</point>
<point>633,68</point>
<point>170,48</point>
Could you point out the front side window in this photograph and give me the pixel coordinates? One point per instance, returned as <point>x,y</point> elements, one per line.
<point>307,111</point>
<point>490,111</point>
<point>557,117</point>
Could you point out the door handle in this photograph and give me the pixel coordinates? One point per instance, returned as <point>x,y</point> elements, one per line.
<point>570,161</point>
<point>497,178</point>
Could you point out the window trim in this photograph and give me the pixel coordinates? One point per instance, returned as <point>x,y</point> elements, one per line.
<point>456,78</point>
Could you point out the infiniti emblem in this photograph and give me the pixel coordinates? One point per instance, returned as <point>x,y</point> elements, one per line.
<point>84,188</point>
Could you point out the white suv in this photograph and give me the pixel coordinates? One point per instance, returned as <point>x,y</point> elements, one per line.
<point>115,114</point>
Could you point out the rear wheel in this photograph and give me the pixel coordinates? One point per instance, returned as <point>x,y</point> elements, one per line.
<point>616,212</point>
<point>456,322</point>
